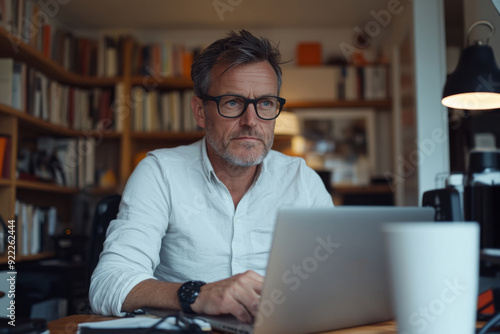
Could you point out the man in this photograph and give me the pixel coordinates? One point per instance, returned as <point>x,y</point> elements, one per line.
<point>206,212</point>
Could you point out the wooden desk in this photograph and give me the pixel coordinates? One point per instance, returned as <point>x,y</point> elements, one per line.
<point>69,325</point>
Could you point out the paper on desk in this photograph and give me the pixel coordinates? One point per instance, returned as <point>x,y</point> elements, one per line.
<point>140,322</point>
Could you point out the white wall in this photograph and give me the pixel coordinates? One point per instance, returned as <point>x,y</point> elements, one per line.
<point>430,74</point>
<point>421,136</point>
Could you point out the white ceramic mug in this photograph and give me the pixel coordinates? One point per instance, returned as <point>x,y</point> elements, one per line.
<point>434,268</point>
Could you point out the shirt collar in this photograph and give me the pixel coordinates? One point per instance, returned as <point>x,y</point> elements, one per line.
<point>205,161</point>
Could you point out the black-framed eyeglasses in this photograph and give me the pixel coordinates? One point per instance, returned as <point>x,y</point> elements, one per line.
<point>185,325</point>
<point>233,106</point>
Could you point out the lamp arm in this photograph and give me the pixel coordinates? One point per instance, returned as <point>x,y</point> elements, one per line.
<point>478,23</point>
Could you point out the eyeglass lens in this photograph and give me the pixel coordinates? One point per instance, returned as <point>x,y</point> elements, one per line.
<point>233,106</point>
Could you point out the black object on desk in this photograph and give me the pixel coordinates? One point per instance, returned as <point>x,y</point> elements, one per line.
<point>23,326</point>
<point>446,203</point>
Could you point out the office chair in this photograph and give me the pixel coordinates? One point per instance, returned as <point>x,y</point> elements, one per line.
<point>446,202</point>
<point>105,211</point>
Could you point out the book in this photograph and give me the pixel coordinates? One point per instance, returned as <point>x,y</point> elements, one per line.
<point>67,155</point>
<point>6,80</point>
<point>138,93</point>
<point>5,156</point>
<point>44,97</point>
<point>36,233</point>
<point>188,117</point>
<point>165,105</point>
<point>151,111</point>
<point>19,86</point>
<point>118,107</point>
<point>3,152</point>
<point>351,83</point>
<point>37,96</point>
<point>111,57</point>
<point>6,19</point>
<point>175,110</point>
<point>90,179</point>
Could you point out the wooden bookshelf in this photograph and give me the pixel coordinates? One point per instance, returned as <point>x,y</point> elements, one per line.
<point>165,83</point>
<point>45,187</point>
<point>175,136</point>
<point>6,182</point>
<point>12,47</point>
<point>34,257</point>
<point>42,127</point>
<point>125,144</point>
<point>19,124</point>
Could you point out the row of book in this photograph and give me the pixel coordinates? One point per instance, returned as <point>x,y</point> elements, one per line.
<point>162,59</point>
<point>68,162</point>
<point>29,21</point>
<point>162,111</point>
<point>29,90</point>
<point>332,83</point>
<point>37,226</point>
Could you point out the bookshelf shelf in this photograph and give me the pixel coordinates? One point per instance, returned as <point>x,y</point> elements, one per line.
<point>5,183</point>
<point>183,136</point>
<point>34,257</point>
<point>11,46</point>
<point>101,190</point>
<point>42,127</point>
<point>45,187</point>
<point>385,104</point>
<point>39,256</point>
<point>165,83</point>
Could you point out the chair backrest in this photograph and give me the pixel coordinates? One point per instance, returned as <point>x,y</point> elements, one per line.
<point>446,202</point>
<point>105,211</point>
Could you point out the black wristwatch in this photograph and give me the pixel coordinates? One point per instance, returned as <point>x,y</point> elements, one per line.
<point>187,293</point>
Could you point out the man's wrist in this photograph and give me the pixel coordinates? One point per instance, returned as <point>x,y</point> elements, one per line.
<point>187,294</point>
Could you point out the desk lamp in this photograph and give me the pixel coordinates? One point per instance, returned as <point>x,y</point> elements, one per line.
<point>475,83</point>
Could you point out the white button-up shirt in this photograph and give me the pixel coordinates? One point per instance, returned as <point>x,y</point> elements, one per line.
<point>177,222</point>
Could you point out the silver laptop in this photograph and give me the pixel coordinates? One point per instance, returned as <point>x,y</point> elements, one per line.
<point>326,270</point>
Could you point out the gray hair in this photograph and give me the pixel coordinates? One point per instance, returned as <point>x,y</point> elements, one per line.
<point>236,49</point>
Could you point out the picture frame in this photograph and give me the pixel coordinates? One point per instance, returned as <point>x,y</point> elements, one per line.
<point>346,134</point>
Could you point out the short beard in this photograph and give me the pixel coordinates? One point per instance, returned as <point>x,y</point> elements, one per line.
<point>222,148</point>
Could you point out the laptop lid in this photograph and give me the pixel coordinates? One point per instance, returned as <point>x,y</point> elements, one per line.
<point>327,269</point>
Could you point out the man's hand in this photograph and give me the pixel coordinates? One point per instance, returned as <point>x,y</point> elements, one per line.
<point>238,295</point>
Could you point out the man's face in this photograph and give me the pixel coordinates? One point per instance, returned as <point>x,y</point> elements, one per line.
<point>246,140</point>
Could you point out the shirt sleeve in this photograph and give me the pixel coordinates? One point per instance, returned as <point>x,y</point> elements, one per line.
<point>133,240</point>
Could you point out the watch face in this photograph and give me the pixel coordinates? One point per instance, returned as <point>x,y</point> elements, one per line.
<point>188,292</point>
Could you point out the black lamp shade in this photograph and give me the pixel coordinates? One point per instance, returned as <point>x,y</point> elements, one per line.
<point>475,83</point>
